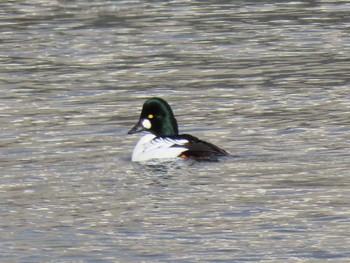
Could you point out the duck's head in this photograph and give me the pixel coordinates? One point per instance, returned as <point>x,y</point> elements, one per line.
<point>156,117</point>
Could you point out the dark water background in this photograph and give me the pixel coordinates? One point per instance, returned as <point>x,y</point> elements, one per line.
<point>266,80</point>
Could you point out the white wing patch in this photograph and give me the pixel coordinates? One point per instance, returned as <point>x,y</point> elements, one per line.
<point>152,147</point>
<point>168,142</point>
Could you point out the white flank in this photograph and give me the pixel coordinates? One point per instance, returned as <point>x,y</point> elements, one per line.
<point>149,148</point>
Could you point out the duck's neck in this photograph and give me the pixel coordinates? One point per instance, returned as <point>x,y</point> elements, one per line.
<point>169,127</point>
<point>165,127</point>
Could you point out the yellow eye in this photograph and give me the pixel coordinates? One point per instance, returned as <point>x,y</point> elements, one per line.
<point>150,116</point>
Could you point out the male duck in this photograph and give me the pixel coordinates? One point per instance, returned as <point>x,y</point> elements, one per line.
<point>163,140</point>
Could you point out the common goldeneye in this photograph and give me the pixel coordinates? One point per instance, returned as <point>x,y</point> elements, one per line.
<point>163,141</point>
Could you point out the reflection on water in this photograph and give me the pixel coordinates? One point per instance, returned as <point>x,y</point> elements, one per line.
<point>266,81</point>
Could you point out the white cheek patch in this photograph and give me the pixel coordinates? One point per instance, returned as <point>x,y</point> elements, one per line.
<point>146,124</point>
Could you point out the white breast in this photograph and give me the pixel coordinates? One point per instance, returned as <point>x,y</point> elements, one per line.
<point>149,147</point>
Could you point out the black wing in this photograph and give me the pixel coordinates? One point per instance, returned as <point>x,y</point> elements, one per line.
<point>201,150</point>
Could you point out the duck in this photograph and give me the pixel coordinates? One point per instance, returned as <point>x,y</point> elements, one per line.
<point>161,138</point>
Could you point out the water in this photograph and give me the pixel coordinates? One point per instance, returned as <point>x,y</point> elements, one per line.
<point>267,81</point>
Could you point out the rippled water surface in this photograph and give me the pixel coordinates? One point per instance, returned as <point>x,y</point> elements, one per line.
<point>266,80</point>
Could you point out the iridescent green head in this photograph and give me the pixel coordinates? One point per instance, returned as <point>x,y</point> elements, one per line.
<point>156,117</point>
